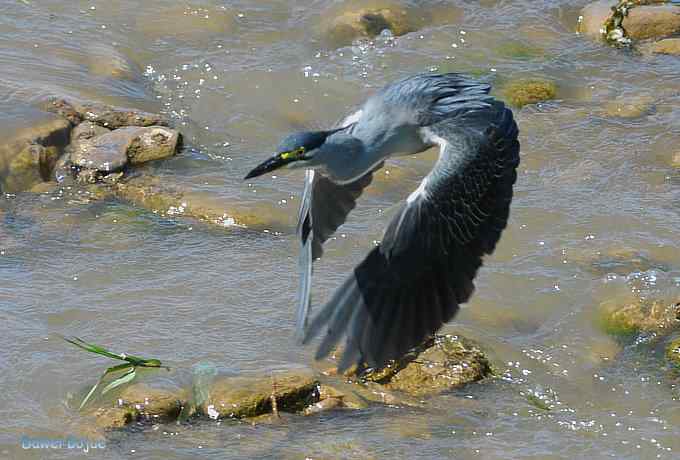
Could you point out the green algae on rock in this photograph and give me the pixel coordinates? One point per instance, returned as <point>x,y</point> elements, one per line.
<point>673,353</point>
<point>246,397</point>
<point>628,318</point>
<point>528,91</point>
<point>441,363</point>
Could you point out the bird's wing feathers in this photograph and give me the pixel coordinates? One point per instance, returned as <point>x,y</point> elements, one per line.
<point>411,284</point>
<point>325,206</point>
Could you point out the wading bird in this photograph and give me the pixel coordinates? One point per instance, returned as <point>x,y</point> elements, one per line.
<point>413,282</point>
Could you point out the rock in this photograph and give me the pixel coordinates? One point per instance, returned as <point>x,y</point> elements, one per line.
<point>631,317</point>
<point>105,60</point>
<point>629,106</point>
<point>111,152</point>
<point>103,115</point>
<point>140,402</point>
<point>652,21</point>
<point>519,51</point>
<point>105,153</point>
<point>28,156</point>
<point>154,194</point>
<point>243,397</point>
<point>442,363</point>
<point>366,23</point>
<point>87,130</point>
<point>673,352</point>
<point>593,16</point>
<point>529,91</point>
<point>665,46</point>
<point>153,143</point>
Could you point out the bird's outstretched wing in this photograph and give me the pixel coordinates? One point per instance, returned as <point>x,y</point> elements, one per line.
<point>324,207</point>
<point>414,281</point>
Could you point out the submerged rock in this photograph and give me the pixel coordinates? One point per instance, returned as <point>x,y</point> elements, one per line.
<point>28,156</point>
<point>675,161</point>
<point>528,91</point>
<point>629,107</point>
<point>631,317</point>
<point>665,46</point>
<point>158,196</point>
<point>367,23</point>
<point>103,115</point>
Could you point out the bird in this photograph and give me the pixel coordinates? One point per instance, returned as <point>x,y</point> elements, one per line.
<point>414,280</point>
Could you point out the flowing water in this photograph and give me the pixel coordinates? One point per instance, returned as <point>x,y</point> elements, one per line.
<point>236,77</point>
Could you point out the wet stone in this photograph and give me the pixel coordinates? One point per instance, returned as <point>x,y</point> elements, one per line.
<point>86,130</point>
<point>111,152</point>
<point>244,397</point>
<point>103,115</point>
<point>139,403</point>
<point>153,143</point>
<point>652,21</point>
<point>442,363</point>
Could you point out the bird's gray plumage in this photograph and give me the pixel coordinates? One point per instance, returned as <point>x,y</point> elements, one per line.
<point>424,267</point>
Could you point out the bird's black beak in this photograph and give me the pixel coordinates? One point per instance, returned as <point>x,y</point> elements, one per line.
<point>275,162</point>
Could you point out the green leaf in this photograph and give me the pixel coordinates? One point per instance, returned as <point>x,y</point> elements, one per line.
<point>94,387</point>
<point>125,378</point>
<point>93,348</point>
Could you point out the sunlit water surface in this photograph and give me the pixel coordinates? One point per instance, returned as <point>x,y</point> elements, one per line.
<point>236,77</point>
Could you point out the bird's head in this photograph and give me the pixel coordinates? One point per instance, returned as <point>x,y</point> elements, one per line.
<point>297,150</point>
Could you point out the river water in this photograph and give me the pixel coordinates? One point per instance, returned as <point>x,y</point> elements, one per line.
<point>236,77</point>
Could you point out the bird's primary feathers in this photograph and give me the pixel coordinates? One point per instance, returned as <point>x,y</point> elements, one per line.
<point>413,282</point>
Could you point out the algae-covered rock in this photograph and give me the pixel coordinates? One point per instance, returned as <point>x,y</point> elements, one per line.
<point>245,397</point>
<point>520,51</point>
<point>528,91</point>
<point>673,352</point>
<point>347,26</point>
<point>104,115</point>
<point>627,318</point>
<point>441,363</point>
